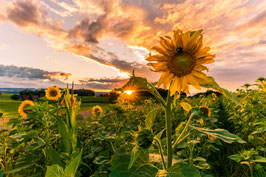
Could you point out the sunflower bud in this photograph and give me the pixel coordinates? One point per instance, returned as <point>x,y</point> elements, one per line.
<point>144,138</point>
<point>205,110</point>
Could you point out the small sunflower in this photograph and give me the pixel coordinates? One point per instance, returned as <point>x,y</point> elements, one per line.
<point>181,59</point>
<point>23,106</point>
<point>120,100</point>
<point>97,110</point>
<point>214,95</point>
<point>53,93</point>
<point>205,110</point>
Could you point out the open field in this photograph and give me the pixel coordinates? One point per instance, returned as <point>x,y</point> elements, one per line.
<point>9,106</point>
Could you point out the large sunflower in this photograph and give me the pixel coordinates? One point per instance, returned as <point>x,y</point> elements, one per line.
<point>53,93</point>
<point>181,60</point>
<point>23,106</point>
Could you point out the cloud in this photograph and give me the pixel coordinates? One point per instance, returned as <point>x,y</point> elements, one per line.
<point>31,73</point>
<point>102,83</point>
<point>233,29</point>
<point>25,13</point>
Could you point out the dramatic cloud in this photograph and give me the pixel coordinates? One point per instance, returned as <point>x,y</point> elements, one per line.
<point>233,29</point>
<point>31,73</point>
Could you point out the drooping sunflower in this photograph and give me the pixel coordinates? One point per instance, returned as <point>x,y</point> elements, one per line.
<point>97,110</point>
<point>23,106</point>
<point>53,93</point>
<point>181,59</point>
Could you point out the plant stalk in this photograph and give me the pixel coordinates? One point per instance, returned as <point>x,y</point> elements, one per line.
<point>161,152</point>
<point>168,131</point>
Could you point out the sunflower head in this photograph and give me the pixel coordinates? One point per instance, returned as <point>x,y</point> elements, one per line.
<point>53,93</point>
<point>120,100</point>
<point>22,108</point>
<point>97,110</point>
<point>144,138</point>
<point>214,95</point>
<point>205,110</point>
<point>181,61</point>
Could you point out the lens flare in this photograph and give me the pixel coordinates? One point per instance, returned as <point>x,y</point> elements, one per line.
<point>129,92</point>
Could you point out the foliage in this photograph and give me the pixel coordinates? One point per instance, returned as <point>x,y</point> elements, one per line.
<point>15,97</point>
<point>50,141</point>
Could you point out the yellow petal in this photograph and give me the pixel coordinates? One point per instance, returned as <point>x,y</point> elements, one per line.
<point>168,79</point>
<point>193,40</point>
<point>160,81</point>
<point>199,45</point>
<point>160,50</point>
<point>162,66</point>
<point>157,58</point>
<point>185,84</point>
<point>186,39</point>
<point>199,67</point>
<point>167,44</point>
<point>173,87</point>
<point>204,61</point>
<point>193,82</point>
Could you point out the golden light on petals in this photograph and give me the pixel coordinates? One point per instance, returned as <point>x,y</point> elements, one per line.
<point>181,61</point>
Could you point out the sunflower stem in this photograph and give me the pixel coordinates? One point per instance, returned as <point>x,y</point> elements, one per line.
<point>168,130</point>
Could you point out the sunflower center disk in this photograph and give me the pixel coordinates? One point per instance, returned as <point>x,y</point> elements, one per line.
<point>181,64</point>
<point>53,93</point>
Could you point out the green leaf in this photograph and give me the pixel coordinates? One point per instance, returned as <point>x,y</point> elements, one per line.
<point>259,159</point>
<point>120,162</point>
<point>54,171</point>
<point>221,134</point>
<point>134,156</point>
<point>54,157</point>
<point>203,165</point>
<point>64,132</point>
<point>136,83</point>
<point>183,170</point>
<point>214,85</point>
<point>71,169</point>
<point>186,106</point>
<point>145,171</point>
<point>150,118</point>
<point>235,157</point>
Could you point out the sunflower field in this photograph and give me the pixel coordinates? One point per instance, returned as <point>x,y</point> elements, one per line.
<point>221,134</point>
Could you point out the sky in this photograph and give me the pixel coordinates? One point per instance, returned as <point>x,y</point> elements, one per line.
<point>98,43</point>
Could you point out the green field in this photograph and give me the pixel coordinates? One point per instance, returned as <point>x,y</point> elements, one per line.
<point>10,107</point>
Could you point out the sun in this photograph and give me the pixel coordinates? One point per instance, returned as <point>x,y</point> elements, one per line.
<point>129,92</point>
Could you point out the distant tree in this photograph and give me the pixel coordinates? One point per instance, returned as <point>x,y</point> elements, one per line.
<point>84,92</point>
<point>0,93</point>
<point>113,95</point>
<point>15,97</point>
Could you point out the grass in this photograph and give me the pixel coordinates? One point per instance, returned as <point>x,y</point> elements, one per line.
<point>9,106</point>
<point>94,99</point>
<point>88,106</point>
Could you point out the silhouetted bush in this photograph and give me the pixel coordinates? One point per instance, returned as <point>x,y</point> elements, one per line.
<point>15,97</point>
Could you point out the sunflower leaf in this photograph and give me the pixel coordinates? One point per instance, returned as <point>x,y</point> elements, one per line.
<point>211,83</point>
